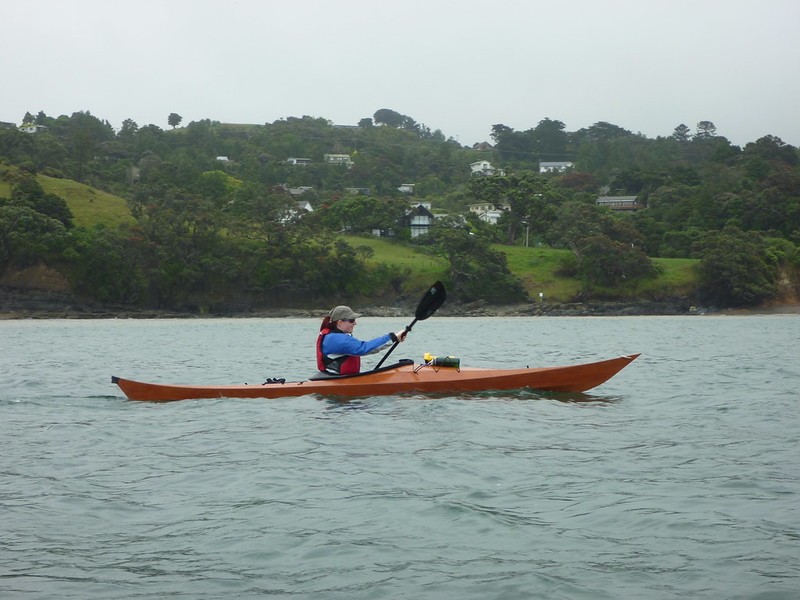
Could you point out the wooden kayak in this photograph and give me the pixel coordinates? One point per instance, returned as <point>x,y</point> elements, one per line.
<point>402,377</point>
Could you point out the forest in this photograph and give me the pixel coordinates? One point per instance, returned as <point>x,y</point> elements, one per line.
<point>237,216</point>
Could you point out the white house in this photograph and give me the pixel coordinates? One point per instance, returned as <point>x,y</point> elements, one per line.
<point>619,202</point>
<point>32,128</point>
<point>295,192</point>
<point>339,159</point>
<point>487,212</point>
<point>364,191</point>
<point>554,167</point>
<point>484,167</point>
<point>298,161</point>
<point>406,188</point>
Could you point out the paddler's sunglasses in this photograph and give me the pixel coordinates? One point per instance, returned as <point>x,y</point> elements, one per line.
<point>349,320</point>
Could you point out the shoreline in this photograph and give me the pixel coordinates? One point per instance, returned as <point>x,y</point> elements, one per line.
<point>28,304</point>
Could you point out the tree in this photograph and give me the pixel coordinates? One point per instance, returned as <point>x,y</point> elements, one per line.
<point>389,117</point>
<point>548,139</point>
<point>737,270</point>
<point>526,194</point>
<point>705,130</point>
<point>602,131</point>
<point>607,262</point>
<point>174,120</point>
<point>85,133</point>
<point>476,270</point>
<point>128,130</point>
<point>681,134</point>
<point>27,236</point>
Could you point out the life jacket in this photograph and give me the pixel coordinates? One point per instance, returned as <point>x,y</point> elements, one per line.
<point>343,365</point>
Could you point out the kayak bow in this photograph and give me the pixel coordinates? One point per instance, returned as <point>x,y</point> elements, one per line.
<point>402,377</point>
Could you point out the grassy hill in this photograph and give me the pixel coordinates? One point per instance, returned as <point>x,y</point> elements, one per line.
<point>536,267</point>
<point>538,270</point>
<point>89,205</point>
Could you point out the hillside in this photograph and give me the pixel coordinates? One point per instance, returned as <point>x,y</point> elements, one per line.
<point>538,269</point>
<point>222,225</point>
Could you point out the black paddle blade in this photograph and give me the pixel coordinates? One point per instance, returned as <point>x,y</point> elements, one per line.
<point>431,301</point>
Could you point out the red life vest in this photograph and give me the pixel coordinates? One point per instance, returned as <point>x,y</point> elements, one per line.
<point>344,365</point>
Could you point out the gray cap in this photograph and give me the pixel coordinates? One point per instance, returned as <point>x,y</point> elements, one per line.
<point>343,312</point>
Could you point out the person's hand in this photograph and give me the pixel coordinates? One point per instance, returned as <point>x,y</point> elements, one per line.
<point>401,335</point>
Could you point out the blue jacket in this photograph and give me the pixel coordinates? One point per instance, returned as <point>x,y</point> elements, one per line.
<point>344,343</point>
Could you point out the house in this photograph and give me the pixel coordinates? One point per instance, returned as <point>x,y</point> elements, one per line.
<point>295,192</point>
<point>339,159</point>
<point>406,188</point>
<point>364,191</point>
<point>32,128</point>
<point>619,202</point>
<point>222,159</point>
<point>484,168</point>
<point>304,205</point>
<point>419,219</point>
<point>487,212</point>
<point>301,207</point>
<point>298,161</point>
<point>554,167</point>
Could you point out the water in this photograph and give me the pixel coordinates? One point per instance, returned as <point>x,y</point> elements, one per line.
<point>677,478</point>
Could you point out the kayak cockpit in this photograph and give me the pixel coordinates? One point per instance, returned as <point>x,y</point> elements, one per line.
<point>321,376</point>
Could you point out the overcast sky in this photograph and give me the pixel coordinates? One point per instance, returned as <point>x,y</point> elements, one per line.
<point>458,66</point>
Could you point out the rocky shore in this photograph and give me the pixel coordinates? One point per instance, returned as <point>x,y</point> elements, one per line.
<point>26,303</point>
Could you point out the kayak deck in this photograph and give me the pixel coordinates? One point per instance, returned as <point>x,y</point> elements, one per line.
<point>402,377</point>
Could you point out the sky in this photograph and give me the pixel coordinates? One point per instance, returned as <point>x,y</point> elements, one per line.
<point>456,66</point>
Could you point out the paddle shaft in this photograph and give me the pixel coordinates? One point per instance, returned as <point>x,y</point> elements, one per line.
<point>430,303</point>
<point>385,356</point>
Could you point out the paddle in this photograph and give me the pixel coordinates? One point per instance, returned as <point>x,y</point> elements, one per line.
<point>430,303</point>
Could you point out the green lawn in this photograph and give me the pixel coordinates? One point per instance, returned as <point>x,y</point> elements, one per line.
<point>536,267</point>
<point>89,205</point>
<point>423,267</point>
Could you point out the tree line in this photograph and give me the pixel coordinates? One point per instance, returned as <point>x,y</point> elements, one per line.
<point>216,225</point>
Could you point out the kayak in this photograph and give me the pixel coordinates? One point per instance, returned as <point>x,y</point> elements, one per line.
<point>402,377</point>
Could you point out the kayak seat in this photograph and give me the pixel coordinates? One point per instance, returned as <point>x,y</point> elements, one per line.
<point>320,375</point>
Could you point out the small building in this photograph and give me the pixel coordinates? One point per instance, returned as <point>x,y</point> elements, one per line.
<point>419,219</point>
<point>298,191</point>
<point>620,202</point>
<point>406,188</point>
<point>555,167</point>
<point>484,168</point>
<point>298,161</point>
<point>32,128</point>
<point>488,212</point>
<point>363,191</point>
<point>339,159</point>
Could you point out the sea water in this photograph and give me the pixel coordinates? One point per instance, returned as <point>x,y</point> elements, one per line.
<point>680,477</point>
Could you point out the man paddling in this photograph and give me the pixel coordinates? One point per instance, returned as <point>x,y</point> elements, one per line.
<point>338,352</point>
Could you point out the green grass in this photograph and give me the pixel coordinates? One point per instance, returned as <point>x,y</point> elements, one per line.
<point>536,267</point>
<point>423,268</point>
<point>89,205</point>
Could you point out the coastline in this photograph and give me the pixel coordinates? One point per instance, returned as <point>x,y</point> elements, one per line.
<point>26,303</point>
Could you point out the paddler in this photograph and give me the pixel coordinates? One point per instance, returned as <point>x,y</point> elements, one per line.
<point>338,352</point>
